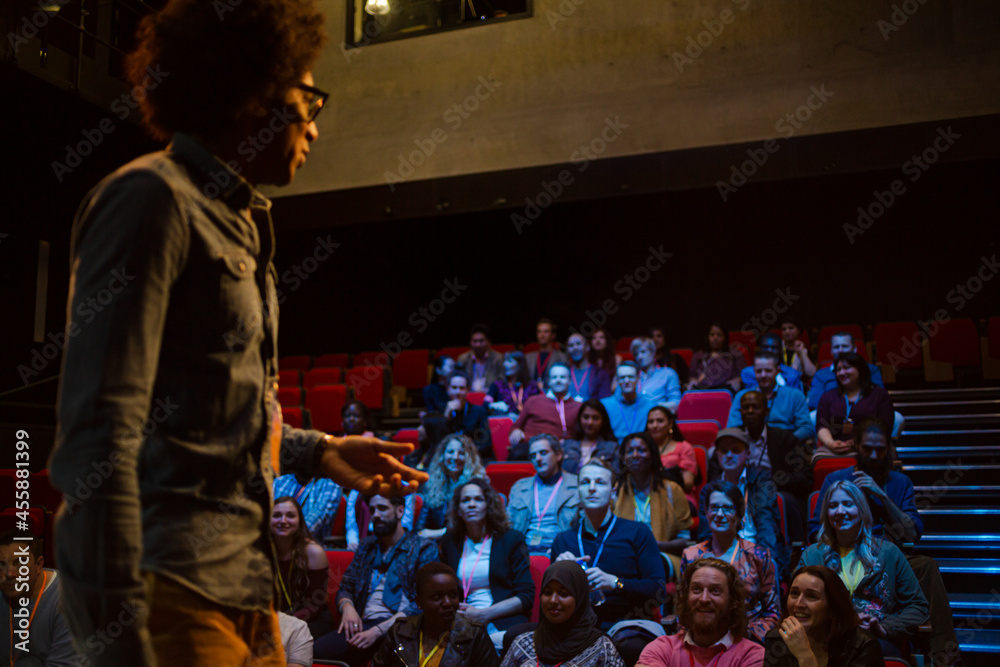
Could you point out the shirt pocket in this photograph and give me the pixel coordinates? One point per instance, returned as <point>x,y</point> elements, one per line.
<point>239,298</point>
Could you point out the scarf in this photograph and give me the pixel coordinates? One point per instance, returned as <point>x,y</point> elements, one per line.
<point>556,642</point>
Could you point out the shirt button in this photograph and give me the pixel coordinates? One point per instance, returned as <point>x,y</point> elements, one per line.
<point>243,266</point>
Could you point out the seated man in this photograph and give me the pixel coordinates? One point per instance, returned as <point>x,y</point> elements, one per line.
<point>660,385</point>
<point>553,412</point>
<point>379,585</point>
<point>481,363</point>
<point>319,499</point>
<point>793,351</point>
<point>825,378</point>
<point>546,504</point>
<point>895,517</point>
<point>761,522</point>
<point>463,417</point>
<point>627,409</point>
<point>623,563</point>
<point>714,634</point>
<point>787,376</point>
<point>297,641</point>
<point>786,407</point>
<point>547,354</point>
<point>586,379</point>
<point>31,592</point>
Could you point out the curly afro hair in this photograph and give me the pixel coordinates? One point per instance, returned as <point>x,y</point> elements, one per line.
<point>222,62</point>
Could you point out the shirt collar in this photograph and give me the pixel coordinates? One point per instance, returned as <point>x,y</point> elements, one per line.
<point>607,519</point>
<point>552,480</point>
<point>727,641</point>
<point>763,437</point>
<point>232,188</point>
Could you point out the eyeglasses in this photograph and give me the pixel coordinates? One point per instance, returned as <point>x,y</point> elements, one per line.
<point>316,102</point>
<point>725,509</point>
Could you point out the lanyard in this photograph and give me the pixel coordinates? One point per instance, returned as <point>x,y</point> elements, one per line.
<point>849,406</point>
<point>555,491</point>
<point>379,581</point>
<point>281,580</point>
<point>420,657</point>
<point>467,582</point>
<point>516,398</point>
<point>600,549</point>
<point>302,490</point>
<point>31,617</point>
<point>714,661</point>
<point>478,370</point>
<point>539,366</point>
<point>736,551</point>
<point>561,409</point>
<point>577,386</point>
<point>645,506</point>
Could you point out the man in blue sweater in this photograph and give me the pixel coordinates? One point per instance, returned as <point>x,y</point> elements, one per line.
<point>627,408</point>
<point>786,406</point>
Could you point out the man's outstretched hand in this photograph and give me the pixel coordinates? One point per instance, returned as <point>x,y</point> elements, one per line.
<point>369,465</point>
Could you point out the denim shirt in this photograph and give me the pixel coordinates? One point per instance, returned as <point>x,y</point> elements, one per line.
<point>167,396</point>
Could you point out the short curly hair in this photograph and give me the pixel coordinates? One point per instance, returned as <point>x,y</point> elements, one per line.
<point>220,63</point>
<point>737,595</point>
<point>497,521</point>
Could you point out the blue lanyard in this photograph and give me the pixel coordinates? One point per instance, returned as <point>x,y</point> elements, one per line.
<point>849,406</point>
<point>579,539</point>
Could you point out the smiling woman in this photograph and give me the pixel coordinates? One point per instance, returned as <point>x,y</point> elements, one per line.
<point>303,570</point>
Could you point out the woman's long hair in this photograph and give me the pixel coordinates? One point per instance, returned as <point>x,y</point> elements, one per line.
<point>497,522</point>
<point>594,404</point>
<point>864,373</point>
<point>866,548</point>
<point>842,617</point>
<point>439,486</point>
<point>300,561</point>
<point>605,359</point>
<point>523,375</point>
<point>655,463</point>
<point>675,430</point>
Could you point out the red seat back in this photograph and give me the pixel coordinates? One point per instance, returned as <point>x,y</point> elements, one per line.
<point>624,344</point>
<point>289,396</point>
<point>43,493</point>
<point>956,342</point>
<point>699,432</point>
<point>504,348</point>
<point>701,456</point>
<point>500,428</point>
<point>898,344</point>
<point>825,356</point>
<point>993,335</point>
<point>300,363</point>
<point>292,416</point>
<point>476,397</point>
<point>452,352</point>
<point>372,358</point>
<point>825,466</point>
<point>539,564</point>
<point>338,359</point>
<point>318,376</point>
<point>340,560</point>
<point>411,369</point>
<point>503,475</point>
<point>746,343</point>
<point>368,383</point>
<point>827,332</point>
<point>685,353</point>
<point>407,435</point>
<point>783,524</point>
<point>290,378</point>
<point>324,403</point>
<point>711,404</point>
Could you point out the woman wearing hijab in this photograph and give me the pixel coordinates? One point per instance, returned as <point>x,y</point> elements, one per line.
<point>567,634</point>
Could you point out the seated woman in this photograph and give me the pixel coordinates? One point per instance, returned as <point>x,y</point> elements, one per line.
<point>665,357</point>
<point>303,570</point>
<point>591,437</point>
<point>718,367</point>
<point>507,396</point>
<point>602,351</point>
<point>754,563</point>
<point>490,557</point>
<point>567,634</point>
<point>433,429</point>
<point>645,496</point>
<point>436,393</point>
<point>883,588</point>
<point>677,456</point>
<point>436,636</point>
<point>821,627</point>
<point>854,399</point>
<point>455,462</point>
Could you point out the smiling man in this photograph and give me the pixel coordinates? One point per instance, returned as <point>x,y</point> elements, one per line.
<point>786,407</point>
<point>710,604</point>
<point>552,413</point>
<point>546,504</point>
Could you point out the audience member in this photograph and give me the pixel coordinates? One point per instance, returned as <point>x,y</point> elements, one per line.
<point>379,585</point>
<point>626,407</point>
<point>507,395</point>
<point>624,567</point>
<point>794,352</point>
<point>296,640</point>
<point>677,456</point>
<point>591,437</point>
<point>552,412</point>
<point>567,634</point>
<point>711,607</point>
<point>586,379</point>
<point>645,496</point>
<point>303,570</point>
<point>895,517</point>
<point>490,558</point>
<point>463,417</point>
<point>659,385</point>
<point>883,588</point>
<point>436,393</point>
<point>787,376</point>
<point>602,351</point>
<point>761,521</point>
<point>786,407</point>
<point>31,593</point>
<point>319,499</point>
<point>667,358</point>
<point>432,430</point>
<point>438,635</point>
<point>717,367</point>
<point>825,378</point>
<point>787,458</point>
<point>821,627</point>
<point>854,399</point>
<point>455,462</point>
<point>548,351</point>
<point>544,505</point>
<point>756,569</point>
<point>481,363</point>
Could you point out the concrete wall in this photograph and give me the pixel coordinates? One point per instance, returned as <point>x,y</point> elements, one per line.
<point>575,68</point>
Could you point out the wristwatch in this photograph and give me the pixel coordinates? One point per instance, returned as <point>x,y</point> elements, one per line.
<point>618,584</point>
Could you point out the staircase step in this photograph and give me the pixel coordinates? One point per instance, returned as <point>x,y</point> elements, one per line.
<point>943,394</point>
<point>978,454</point>
<point>968,575</point>
<point>953,473</point>
<point>970,605</point>
<point>953,520</point>
<point>978,641</point>
<point>954,421</point>
<point>916,437</point>
<point>962,407</point>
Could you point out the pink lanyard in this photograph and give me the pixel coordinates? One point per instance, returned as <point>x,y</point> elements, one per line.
<point>467,582</point>
<point>578,385</point>
<point>555,491</point>
<point>517,397</point>
<point>561,409</point>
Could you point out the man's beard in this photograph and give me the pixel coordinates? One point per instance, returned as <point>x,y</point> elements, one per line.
<point>719,625</point>
<point>383,528</point>
<point>878,469</point>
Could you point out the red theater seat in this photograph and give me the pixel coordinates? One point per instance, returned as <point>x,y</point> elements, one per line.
<point>956,342</point>
<point>300,363</point>
<point>293,416</point>
<point>504,348</point>
<point>452,352</point>
<point>340,560</point>
<point>503,475</point>
<point>711,404</point>
<point>747,343</point>
<point>324,403</point>
<point>539,564</point>
<point>624,344</point>
<point>289,396</point>
<point>898,346</point>
<point>701,456</point>
<point>993,336</point>
<point>825,357</point>
<point>371,358</point>
<point>369,385</point>
<point>500,428</point>
<point>824,467</point>
<point>699,432</point>
<point>854,329</point>
<point>291,378</point>
<point>339,360</point>
<point>685,353</point>
<point>476,397</point>
<point>410,369</point>
<point>318,376</point>
<point>410,435</point>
